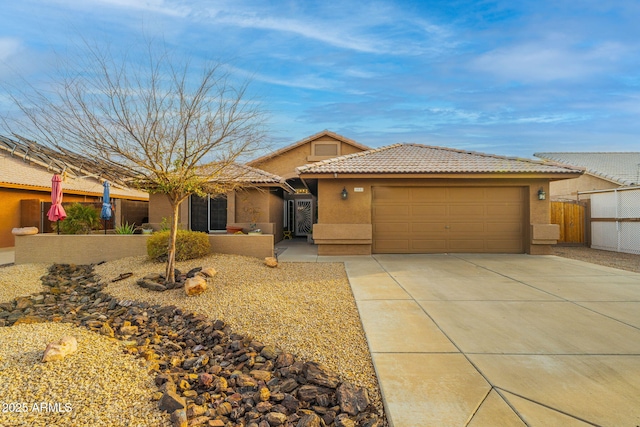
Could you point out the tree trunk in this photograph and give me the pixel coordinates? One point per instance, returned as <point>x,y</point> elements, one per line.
<point>173,233</point>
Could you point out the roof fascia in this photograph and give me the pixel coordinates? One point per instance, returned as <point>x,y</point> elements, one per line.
<point>332,175</point>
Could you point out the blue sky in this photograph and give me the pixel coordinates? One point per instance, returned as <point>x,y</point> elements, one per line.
<point>504,77</point>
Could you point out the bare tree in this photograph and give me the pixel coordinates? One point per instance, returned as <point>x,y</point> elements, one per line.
<point>177,129</point>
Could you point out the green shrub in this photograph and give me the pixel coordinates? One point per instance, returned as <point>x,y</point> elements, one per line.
<point>81,219</point>
<point>189,245</point>
<point>126,228</point>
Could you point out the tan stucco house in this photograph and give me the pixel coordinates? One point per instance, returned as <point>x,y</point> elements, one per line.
<point>403,198</point>
<point>603,171</point>
<point>258,206</point>
<point>277,200</point>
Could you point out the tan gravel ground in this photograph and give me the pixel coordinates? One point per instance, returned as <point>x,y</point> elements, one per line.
<point>305,308</point>
<point>20,280</point>
<point>96,386</point>
<point>623,261</point>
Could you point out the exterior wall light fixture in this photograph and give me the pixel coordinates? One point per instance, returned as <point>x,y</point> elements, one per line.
<point>542,195</point>
<point>344,193</point>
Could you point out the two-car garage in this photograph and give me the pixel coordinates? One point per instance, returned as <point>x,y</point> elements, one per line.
<point>412,198</point>
<point>448,219</point>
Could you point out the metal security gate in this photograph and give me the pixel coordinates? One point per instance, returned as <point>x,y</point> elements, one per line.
<point>615,220</point>
<point>304,217</point>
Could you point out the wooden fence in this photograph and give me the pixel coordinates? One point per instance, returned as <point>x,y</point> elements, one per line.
<point>570,216</point>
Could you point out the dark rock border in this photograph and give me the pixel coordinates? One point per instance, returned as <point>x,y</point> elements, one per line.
<point>206,374</point>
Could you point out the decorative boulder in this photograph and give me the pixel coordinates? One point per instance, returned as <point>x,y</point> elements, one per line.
<point>271,262</point>
<point>60,349</point>
<point>195,286</point>
<point>24,231</point>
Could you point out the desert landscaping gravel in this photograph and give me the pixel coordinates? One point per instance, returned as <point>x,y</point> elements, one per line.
<point>20,280</point>
<point>96,386</point>
<point>306,309</point>
<point>622,261</point>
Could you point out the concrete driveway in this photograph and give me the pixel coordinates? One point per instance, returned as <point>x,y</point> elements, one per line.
<point>497,340</point>
<point>501,340</point>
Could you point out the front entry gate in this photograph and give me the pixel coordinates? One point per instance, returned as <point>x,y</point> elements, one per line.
<point>304,217</point>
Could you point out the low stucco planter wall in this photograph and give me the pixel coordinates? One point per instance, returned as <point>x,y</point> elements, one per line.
<point>343,239</point>
<point>93,248</point>
<point>255,245</point>
<point>77,249</point>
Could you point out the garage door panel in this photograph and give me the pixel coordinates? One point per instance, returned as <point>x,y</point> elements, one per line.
<point>427,227</point>
<point>393,246</point>
<point>391,212</point>
<point>465,194</point>
<point>466,245</point>
<point>421,194</point>
<point>476,227</point>
<point>497,194</point>
<point>391,194</point>
<point>504,210</point>
<point>428,211</point>
<point>428,245</point>
<point>392,227</point>
<point>448,219</point>
<point>504,227</point>
<point>466,210</point>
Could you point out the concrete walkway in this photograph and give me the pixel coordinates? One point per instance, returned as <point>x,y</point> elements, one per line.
<point>498,340</point>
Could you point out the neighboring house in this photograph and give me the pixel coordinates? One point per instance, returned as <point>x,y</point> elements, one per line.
<point>411,198</point>
<point>603,171</point>
<point>26,169</point>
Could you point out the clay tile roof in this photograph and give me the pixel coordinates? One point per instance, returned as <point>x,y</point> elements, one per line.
<point>28,165</point>
<point>243,173</point>
<point>59,160</point>
<point>621,168</point>
<point>417,158</point>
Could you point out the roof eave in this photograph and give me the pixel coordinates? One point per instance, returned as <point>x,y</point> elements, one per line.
<point>440,175</point>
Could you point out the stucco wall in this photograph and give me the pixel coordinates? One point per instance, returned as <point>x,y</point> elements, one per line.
<point>10,209</point>
<point>276,213</point>
<point>87,249</point>
<point>286,163</point>
<point>77,249</point>
<point>356,209</point>
<point>159,208</point>
<point>252,205</point>
<point>567,189</point>
<point>267,201</point>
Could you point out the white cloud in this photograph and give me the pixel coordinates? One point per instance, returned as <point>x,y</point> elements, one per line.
<point>333,37</point>
<point>8,47</point>
<point>378,27</point>
<point>544,62</point>
<point>156,6</point>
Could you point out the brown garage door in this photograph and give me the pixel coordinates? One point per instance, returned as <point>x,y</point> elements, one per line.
<point>448,219</point>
